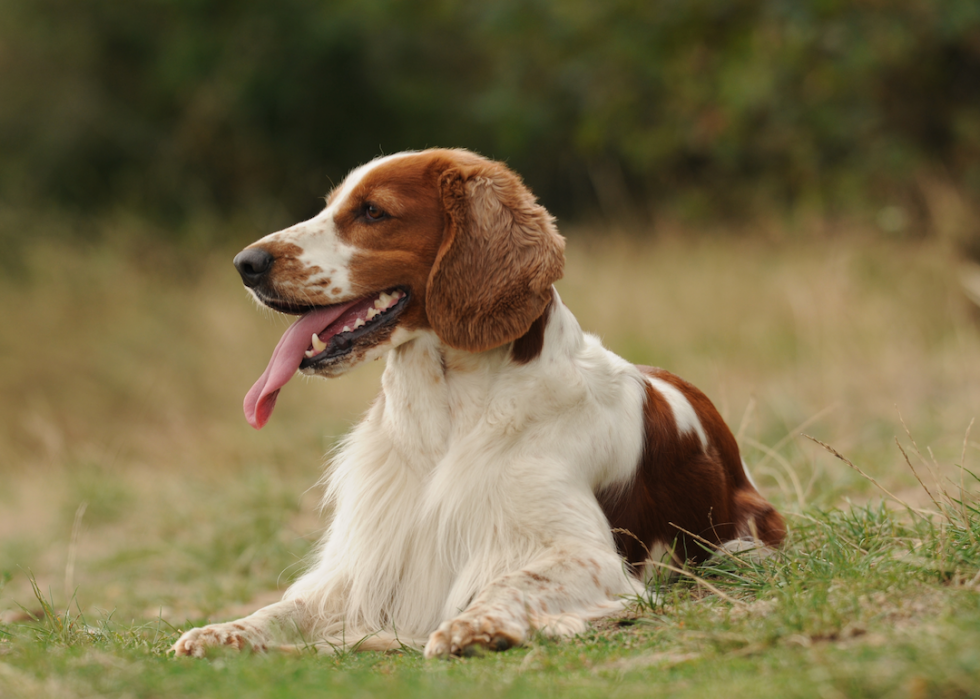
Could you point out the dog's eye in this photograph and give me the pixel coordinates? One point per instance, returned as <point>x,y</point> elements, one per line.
<point>374,213</point>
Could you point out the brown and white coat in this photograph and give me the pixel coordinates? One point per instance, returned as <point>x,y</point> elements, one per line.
<point>487,491</point>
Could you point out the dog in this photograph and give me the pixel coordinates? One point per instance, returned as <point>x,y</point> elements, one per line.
<point>513,475</point>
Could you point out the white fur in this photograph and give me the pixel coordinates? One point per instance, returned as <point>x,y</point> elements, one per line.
<point>684,415</point>
<point>461,475</point>
<point>467,494</point>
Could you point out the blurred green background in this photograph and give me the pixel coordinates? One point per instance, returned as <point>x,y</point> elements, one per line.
<point>618,110</point>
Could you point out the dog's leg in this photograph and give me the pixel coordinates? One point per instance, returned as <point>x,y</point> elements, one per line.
<point>558,595</point>
<point>269,627</point>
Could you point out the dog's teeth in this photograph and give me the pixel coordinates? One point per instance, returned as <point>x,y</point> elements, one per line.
<point>318,344</point>
<point>372,312</point>
<point>386,300</point>
<point>358,323</point>
<point>346,329</point>
<point>310,353</point>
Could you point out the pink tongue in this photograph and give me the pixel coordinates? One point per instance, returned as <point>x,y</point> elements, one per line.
<point>286,358</point>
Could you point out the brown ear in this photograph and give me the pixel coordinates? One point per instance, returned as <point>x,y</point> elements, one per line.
<point>499,255</point>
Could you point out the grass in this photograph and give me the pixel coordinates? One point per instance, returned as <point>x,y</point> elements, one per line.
<point>136,501</point>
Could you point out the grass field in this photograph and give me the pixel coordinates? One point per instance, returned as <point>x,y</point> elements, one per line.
<point>139,502</point>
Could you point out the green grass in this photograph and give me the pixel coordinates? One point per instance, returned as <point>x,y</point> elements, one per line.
<point>135,501</point>
<point>865,601</point>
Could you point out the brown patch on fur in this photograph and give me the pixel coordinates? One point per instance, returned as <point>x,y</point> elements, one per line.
<point>499,256</point>
<point>767,522</point>
<point>537,577</point>
<point>400,250</point>
<point>529,345</point>
<point>677,482</point>
<point>287,269</point>
<point>279,249</point>
<point>288,274</point>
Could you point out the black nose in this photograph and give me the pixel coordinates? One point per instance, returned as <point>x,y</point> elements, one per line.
<point>252,264</point>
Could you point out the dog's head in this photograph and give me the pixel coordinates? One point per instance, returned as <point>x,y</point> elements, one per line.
<point>441,241</point>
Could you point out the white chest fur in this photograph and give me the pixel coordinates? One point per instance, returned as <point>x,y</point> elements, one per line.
<point>468,466</point>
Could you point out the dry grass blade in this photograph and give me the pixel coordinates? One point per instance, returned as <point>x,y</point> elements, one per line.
<point>871,479</point>
<point>674,569</point>
<point>73,550</point>
<point>774,449</point>
<point>931,465</point>
<point>700,581</point>
<point>746,419</point>
<point>966,440</point>
<point>949,504</point>
<point>720,549</point>
<point>917,477</point>
<point>701,539</point>
<point>814,520</point>
<point>627,532</point>
<point>787,467</point>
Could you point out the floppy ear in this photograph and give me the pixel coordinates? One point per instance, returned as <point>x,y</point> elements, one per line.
<point>499,255</point>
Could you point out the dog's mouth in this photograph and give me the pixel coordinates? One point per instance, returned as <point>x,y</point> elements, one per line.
<point>356,324</point>
<point>321,337</point>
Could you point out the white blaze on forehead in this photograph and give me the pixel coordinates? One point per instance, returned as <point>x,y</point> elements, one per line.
<point>357,175</point>
<point>684,416</point>
<point>322,246</point>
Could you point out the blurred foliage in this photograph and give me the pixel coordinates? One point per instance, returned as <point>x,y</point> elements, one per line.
<point>622,107</point>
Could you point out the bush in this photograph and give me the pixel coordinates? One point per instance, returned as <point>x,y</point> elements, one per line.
<point>713,108</point>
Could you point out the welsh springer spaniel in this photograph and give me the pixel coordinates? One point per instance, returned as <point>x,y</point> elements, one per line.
<point>513,474</point>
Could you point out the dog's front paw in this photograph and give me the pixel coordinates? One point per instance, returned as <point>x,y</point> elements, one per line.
<point>471,633</point>
<point>195,642</point>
